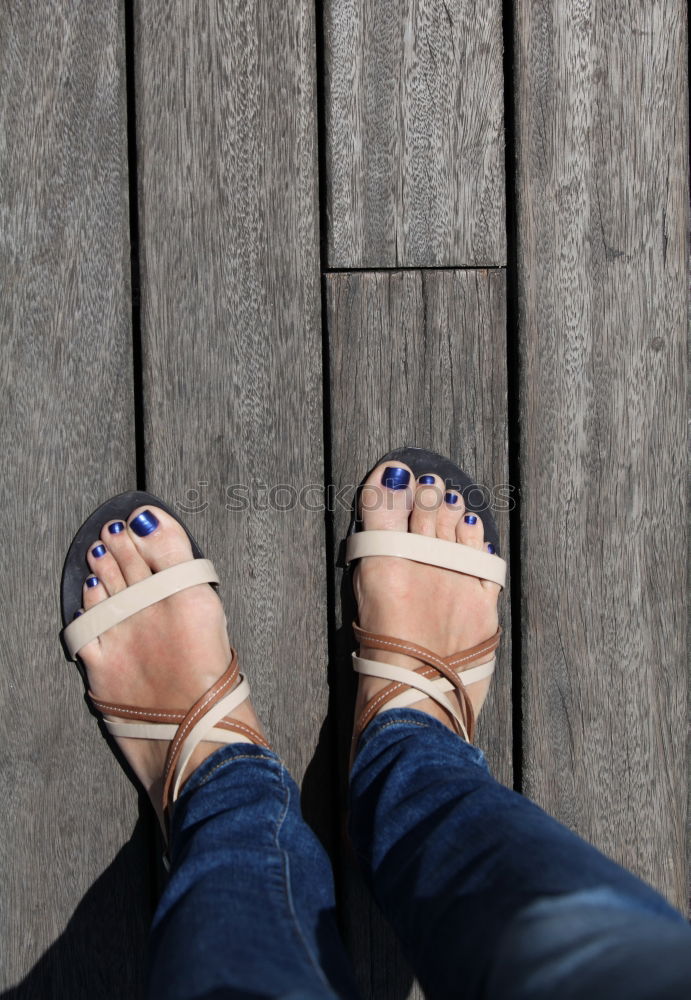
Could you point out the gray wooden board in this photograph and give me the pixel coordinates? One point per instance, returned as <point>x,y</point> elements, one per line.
<point>75,890</point>
<point>231,328</point>
<point>417,358</point>
<point>414,133</point>
<point>602,141</point>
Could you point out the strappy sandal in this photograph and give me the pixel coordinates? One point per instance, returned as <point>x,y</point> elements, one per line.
<point>437,675</point>
<point>184,727</point>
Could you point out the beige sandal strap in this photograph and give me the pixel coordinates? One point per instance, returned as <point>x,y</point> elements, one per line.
<point>220,699</point>
<point>166,733</point>
<point>201,730</point>
<point>147,723</point>
<point>389,672</point>
<point>134,598</point>
<point>433,666</point>
<point>469,678</point>
<point>434,551</point>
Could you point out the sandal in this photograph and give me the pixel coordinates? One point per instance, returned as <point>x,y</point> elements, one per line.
<point>184,727</point>
<point>437,676</point>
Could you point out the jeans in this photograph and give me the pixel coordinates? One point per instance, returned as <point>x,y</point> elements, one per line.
<point>490,897</point>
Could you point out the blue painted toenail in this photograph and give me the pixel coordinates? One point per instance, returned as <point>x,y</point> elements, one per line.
<point>77,614</point>
<point>144,523</point>
<point>490,548</point>
<point>426,480</point>
<point>116,527</point>
<point>395,479</point>
<point>470,519</point>
<point>92,581</point>
<point>451,497</point>
<point>98,551</point>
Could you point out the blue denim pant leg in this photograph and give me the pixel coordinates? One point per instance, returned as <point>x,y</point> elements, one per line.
<point>248,910</point>
<point>597,943</point>
<point>484,889</point>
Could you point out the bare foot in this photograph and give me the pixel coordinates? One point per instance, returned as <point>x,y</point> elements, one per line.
<point>165,656</point>
<point>440,609</point>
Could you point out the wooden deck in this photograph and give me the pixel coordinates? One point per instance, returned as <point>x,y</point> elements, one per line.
<point>258,245</point>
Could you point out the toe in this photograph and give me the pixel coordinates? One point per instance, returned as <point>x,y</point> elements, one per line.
<point>162,542</point>
<point>429,495</point>
<point>105,567</point>
<point>487,584</point>
<point>470,530</point>
<point>386,498</point>
<point>159,539</point>
<point>118,541</point>
<point>93,591</point>
<point>450,514</point>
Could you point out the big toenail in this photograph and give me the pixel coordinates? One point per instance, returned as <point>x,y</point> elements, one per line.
<point>426,480</point>
<point>77,614</point>
<point>470,519</point>
<point>92,581</point>
<point>98,551</point>
<point>451,497</point>
<point>490,548</point>
<point>144,523</point>
<point>395,479</point>
<point>116,527</point>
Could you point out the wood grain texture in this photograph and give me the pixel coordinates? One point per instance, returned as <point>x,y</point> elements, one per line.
<point>414,133</point>
<point>75,894</point>
<point>231,326</point>
<point>602,140</point>
<point>418,358</point>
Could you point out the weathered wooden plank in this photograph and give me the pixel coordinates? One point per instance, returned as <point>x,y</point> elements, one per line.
<point>75,901</point>
<point>231,326</point>
<point>418,358</point>
<point>602,152</point>
<point>414,133</point>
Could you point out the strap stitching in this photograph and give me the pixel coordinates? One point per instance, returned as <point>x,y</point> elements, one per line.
<point>236,724</point>
<point>377,698</point>
<point>101,706</point>
<point>390,690</point>
<point>427,658</point>
<point>430,657</point>
<point>183,728</point>
<point>371,708</point>
<point>480,652</point>
<point>178,716</point>
<point>398,645</point>
<point>239,725</point>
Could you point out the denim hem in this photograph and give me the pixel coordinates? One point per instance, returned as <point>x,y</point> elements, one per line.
<point>225,754</point>
<point>400,718</point>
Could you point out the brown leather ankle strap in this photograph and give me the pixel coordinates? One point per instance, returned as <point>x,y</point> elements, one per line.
<point>432,667</point>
